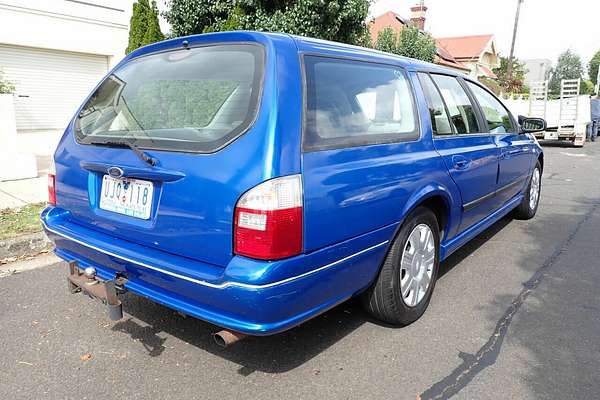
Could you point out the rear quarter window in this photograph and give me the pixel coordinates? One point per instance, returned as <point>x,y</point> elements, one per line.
<point>354,103</point>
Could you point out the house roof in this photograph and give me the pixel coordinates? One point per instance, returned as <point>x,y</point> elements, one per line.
<point>449,51</point>
<point>487,72</point>
<point>446,59</point>
<point>465,46</point>
<point>390,16</point>
<point>382,21</point>
<point>451,64</point>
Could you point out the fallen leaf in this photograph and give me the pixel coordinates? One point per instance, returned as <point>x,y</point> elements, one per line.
<point>46,333</point>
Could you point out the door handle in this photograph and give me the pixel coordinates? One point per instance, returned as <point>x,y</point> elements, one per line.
<point>509,153</point>
<point>460,162</point>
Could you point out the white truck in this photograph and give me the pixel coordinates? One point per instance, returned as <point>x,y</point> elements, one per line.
<point>567,118</point>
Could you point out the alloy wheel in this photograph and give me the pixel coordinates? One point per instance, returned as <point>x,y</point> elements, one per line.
<point>534,190</point>
<point>418,260</point>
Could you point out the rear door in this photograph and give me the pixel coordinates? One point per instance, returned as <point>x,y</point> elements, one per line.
<point>516,148</point>
<point>460,138</point>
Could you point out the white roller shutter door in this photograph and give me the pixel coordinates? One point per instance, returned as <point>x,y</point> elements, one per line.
<point>50,84</point>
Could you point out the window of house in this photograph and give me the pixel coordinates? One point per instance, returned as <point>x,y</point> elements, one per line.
<point>498,118</point>
<point>462,113</point>
<point>353,103</point>
<point>440,121</point>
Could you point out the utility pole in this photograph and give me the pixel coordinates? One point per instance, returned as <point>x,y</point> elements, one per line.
<point>509,69</point>
<point>598,83</point>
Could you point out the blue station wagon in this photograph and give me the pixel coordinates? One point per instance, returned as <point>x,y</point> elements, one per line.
<point>256,180</point>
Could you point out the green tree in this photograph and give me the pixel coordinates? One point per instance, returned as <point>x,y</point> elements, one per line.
<point>569,66</point>
<point>415,43</point>
<point>144,27</point>
<point>593,67</point>
<point>587,87</point>
<point>339,20</point>
<point>387,40</point>
<point>516,82</point>
<point>153,33</point>
<point>491,84</point>
<point>411,42</point>
<point>5,86</point>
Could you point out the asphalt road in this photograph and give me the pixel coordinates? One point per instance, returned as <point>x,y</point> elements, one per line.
<point>515,315</point>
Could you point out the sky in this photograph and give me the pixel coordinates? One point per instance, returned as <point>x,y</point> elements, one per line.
<point>546,27</point>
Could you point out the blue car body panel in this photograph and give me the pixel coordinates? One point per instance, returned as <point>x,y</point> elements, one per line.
<point>472,161</point>
<point>355,200</point>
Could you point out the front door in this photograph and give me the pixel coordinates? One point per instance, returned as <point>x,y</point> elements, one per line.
<point>469,153</point>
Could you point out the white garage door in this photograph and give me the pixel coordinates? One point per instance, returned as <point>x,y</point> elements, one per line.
<point>50,85</point>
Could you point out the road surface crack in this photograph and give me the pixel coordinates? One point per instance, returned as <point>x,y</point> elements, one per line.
<point>488,353</point>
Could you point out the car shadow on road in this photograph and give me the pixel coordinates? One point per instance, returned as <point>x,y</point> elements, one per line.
<point>273,354</point>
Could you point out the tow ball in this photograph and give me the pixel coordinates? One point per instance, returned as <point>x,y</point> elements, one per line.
<point>87,282</point>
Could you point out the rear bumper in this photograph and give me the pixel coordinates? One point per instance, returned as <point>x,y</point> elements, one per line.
<point>249,296</point>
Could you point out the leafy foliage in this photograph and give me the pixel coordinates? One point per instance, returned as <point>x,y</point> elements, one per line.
<point>516,82</point>
<point>5,86</point>
<point>144,26</point>
<point>587,87</point>
<point>411,42</point>
<point>491,84</point>
<point>387,40</point>
<point>569,66</point>
<point>339,20</point>
<point>593,67</point>
<point>414,43</point>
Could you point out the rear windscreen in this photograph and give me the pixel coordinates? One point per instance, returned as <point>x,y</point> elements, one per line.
<point>195,100</point>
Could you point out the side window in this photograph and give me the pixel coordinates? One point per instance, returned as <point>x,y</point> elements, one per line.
<point>498,118</point>
<point>462,112</point>
<point>351,103</point>
<point>440,121</point>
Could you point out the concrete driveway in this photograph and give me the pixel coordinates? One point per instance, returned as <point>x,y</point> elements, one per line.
<point>516,314</point>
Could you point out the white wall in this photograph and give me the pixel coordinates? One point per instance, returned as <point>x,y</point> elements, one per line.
<point>85,26</point>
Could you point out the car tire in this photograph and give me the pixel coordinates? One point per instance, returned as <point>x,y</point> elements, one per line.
<point>391,298</point>
<point>531,201</point>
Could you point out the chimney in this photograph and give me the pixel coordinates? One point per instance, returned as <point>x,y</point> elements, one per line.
<point>417,17</point>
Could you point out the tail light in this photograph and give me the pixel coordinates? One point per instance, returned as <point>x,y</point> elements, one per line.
<point>268,220</point>
<point>52,185</point>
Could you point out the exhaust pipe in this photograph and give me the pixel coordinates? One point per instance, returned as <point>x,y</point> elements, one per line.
<point>226,338</point>
<point>115,311</point>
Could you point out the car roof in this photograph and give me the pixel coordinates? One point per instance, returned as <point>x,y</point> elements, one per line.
<point>325,47</point>
<point>305,45</point>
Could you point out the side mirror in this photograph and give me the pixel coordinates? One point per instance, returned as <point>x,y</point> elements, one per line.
<point>532,125</point>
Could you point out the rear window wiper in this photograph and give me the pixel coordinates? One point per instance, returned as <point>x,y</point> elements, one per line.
<point>139,152</point>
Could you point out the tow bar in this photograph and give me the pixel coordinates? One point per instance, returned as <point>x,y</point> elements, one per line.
<point>87,283</point>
